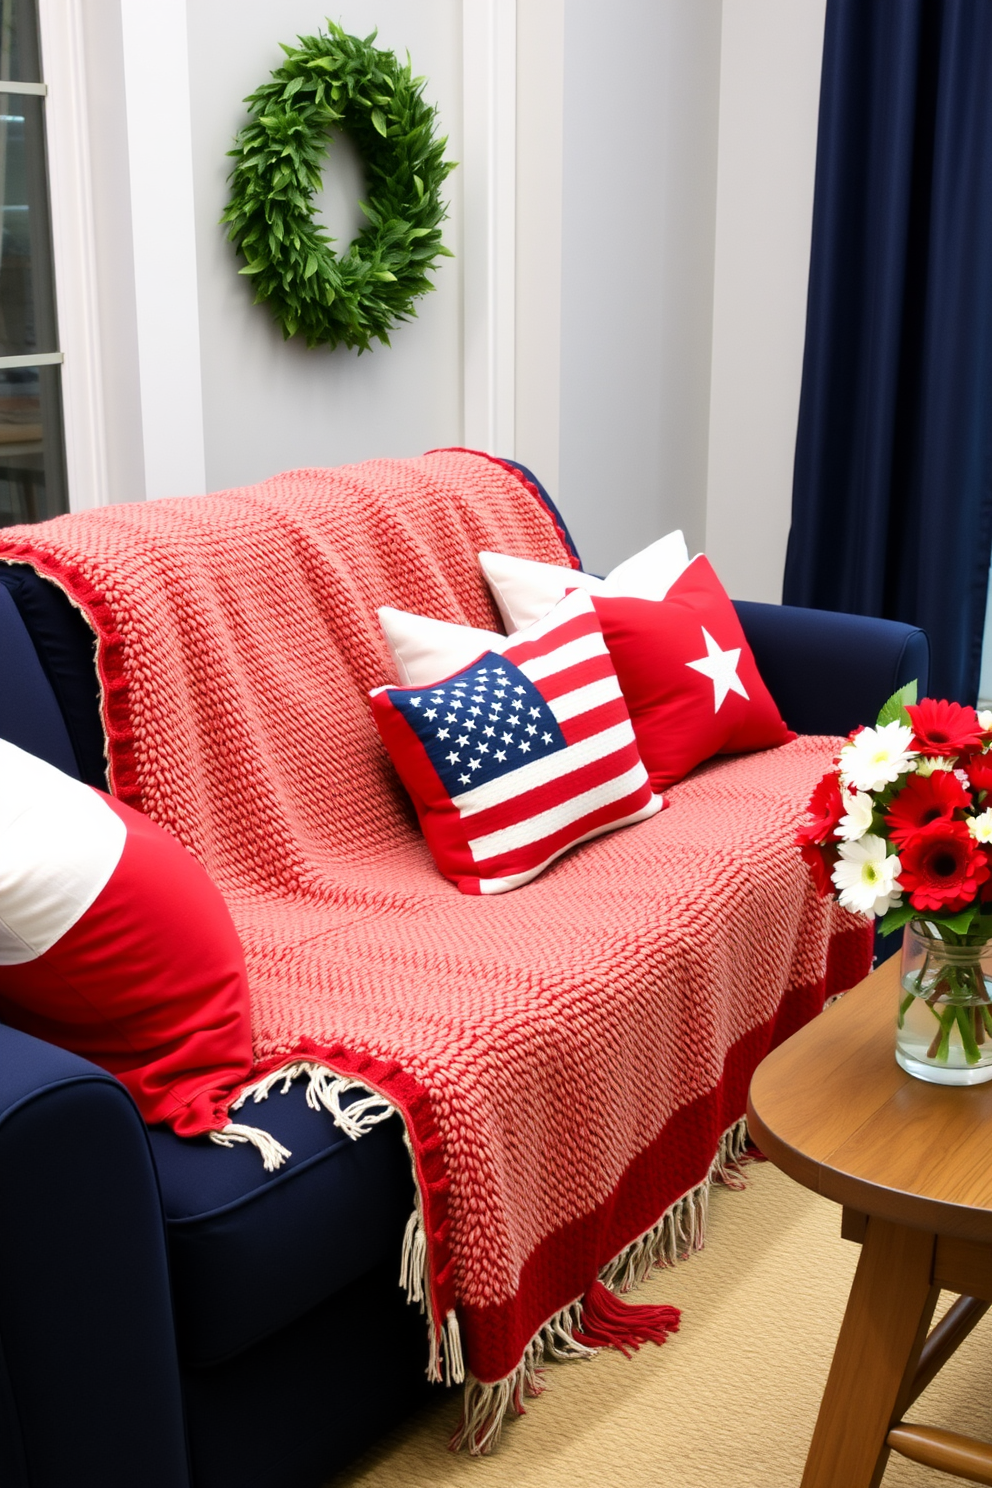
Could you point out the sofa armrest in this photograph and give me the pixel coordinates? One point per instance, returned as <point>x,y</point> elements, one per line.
<point>89,1376</point>
<point>828,671</point>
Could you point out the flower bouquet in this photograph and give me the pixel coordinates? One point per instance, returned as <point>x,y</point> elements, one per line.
<point>901,830</point>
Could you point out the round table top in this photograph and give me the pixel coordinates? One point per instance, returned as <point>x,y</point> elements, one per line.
<point>831,1108</point>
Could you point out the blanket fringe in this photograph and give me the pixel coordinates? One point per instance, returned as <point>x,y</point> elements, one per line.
<point>609,1323</point>
<point>274,1154</point>
<point>446,1361</point>
<point>325,1090</point>
<point>600,1319</point>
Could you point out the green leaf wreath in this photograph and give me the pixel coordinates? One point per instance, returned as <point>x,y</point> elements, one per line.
<point>332,81</point>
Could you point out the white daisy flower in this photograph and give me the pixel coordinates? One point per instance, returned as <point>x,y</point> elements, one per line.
<point>980,826</point>
<point>866,879</point>
<point>985,720</point>
<point>858,818</point>
<point>877,757</point>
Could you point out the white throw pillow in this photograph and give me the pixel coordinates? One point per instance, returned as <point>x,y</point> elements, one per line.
<point>525,591</point>
<point>426,651</point>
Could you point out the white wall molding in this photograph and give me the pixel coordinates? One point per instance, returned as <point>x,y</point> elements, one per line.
<point>489,194</point>
<point>74,250</point>
<point>164,237</point>
<point>540,161</point>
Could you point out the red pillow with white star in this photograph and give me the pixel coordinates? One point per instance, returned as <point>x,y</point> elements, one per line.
<point>688,676</point>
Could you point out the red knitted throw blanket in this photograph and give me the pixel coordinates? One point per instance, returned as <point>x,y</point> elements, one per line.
<point>570,1060</point>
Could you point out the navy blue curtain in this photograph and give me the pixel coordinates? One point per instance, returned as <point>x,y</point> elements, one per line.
<point>892,502</point>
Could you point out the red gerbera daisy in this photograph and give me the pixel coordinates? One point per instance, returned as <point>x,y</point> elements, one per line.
<point>826,806</point>
<point>944,728</point>
<point>924,799</point>
<point>979,769</point>
<point>821,861</point>
<point>943,867</point>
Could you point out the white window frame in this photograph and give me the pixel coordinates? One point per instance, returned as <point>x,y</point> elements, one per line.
<point>73,250</point>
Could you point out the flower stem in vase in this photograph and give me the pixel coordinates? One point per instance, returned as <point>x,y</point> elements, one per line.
<point>966,1024</point>
<point>940,1048</point>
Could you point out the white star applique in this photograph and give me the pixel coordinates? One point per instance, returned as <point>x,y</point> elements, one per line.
<point>721,668</point>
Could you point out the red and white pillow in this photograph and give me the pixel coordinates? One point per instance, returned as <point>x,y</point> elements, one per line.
<point>687,673</point>
<point>115,944</point>
<point>519,754</point>
<point>525,591</point>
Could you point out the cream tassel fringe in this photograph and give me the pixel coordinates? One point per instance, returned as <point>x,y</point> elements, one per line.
<point>680,1231</point>
<point>445,1362</point>
<point>324,1090</point>
<point>274,1154</point>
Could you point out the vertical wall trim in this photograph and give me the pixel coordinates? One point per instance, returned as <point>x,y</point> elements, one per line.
<point>165,275</point>
<point>489,40</point>
<point>74,250</point>
<point>540,166</point>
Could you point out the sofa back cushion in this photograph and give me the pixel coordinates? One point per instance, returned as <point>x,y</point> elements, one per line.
<point>66,649</point>
<point>29,713</point>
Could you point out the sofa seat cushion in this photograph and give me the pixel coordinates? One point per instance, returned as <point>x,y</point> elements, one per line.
<point>251,1251</point>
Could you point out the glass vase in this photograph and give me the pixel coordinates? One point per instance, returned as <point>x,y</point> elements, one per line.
<point>944,1024</point>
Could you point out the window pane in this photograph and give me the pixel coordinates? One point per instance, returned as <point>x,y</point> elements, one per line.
<point>27,310</point>
<point>32,464</point>
<point>19,41</point>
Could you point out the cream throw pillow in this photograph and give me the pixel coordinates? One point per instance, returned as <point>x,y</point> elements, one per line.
<point>525,591</point>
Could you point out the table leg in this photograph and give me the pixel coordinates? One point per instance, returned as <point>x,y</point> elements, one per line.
<point>885,1325</point>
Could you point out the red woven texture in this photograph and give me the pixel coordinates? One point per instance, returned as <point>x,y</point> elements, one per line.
<point>566,1055</point>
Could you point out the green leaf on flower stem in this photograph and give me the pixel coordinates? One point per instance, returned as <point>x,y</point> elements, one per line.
<point>895,918</point>
<point>894,711</point>
<point>959,924</point>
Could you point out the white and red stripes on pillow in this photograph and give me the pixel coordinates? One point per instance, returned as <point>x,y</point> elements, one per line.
<point>520,755</point>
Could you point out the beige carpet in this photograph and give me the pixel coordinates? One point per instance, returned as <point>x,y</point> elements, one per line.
<point>729,1402</point>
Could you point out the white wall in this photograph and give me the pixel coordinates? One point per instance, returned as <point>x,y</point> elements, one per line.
<point>270,405</point>
<point>539,145</point>
<point>637,258</point>
<point>769,96</point>
<point>670,397</point>
<point>164,259</point>
<point>639,198</point>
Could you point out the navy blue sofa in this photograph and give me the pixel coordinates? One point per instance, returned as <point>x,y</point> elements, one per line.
<point>171,1316</point>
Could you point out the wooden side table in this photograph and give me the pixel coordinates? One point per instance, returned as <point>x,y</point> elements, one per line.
<point>911,1163</point>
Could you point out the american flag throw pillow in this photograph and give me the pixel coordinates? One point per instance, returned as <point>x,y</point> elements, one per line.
<point>522,754</point>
